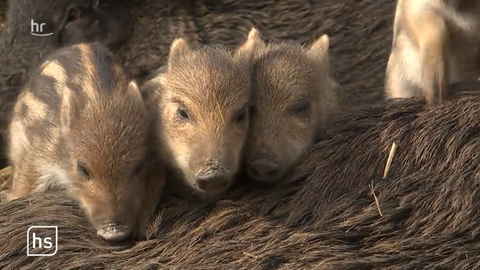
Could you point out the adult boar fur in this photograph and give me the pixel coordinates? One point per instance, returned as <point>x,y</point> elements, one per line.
<point>424,215</point>
<point>3,11</point>
<point>429,221</point>
<point>201,22</point>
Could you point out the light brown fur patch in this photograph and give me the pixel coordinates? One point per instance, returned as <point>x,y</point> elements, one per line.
<point>203,96</point>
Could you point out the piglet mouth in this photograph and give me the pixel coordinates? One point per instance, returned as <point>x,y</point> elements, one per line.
<point>114,232</point>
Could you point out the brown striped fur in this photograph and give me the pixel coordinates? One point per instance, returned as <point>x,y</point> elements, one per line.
<point>81,124</point>
<point>71,22</point>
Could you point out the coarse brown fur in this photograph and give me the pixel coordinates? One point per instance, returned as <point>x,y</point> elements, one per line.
<point>293,98</point>
<point>71,22</point>
<point>203,101</point>
<point>3,12</point>
<point>435,43</point>
<point>355,47</point>
<point>423,216</point>
<point>81,124</point>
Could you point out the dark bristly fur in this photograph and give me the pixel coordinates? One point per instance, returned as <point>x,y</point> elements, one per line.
<point>426,224</point>
<point>3,12</point>
<point>423,216</point>
<point>81,124</point>
<point>363,145</point>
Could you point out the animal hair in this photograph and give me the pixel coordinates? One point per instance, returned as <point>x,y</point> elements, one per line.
<point>428,204</point>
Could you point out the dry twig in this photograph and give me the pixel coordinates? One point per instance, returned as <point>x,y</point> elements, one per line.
<point>389,160</point>
<point>376,199</point>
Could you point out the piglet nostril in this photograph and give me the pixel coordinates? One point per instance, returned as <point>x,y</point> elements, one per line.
<point>265,170</point>
<point>114,232</point>
<point>272,172</point>
<point>213,181</point>
<point>203,184</point>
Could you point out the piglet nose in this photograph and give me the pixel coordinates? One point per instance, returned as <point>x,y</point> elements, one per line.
<point>114,232</point>
<point>264,170</point>
<point>214,181</point>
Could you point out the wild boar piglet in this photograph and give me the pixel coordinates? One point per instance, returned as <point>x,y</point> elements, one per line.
<point>203,105</point>
<point>293,98</point>
<point>81,124</point>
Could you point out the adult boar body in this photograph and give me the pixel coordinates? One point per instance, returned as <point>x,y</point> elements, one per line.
<point>424,215</point>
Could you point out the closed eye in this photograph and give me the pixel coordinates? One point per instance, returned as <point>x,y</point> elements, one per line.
<point>83,171</point>
<point>301,108</point>
<point>138,168</point>
<point>241,114</point>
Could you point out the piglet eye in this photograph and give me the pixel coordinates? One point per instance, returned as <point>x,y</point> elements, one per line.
<point>240,116</point>
<point>301,108</point>
<point>182,113</point>
<point>138,168</point>
<point>252,110</point>
<point>83,171</point>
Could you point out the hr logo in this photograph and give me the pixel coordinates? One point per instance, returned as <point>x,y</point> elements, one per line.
<point>36,29</point>
<point>42,241</point>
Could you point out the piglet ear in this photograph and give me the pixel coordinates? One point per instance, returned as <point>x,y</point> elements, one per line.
<point>154,86</point>
<point>133,86</point>
<point>251,46</point>
<point>179,47</point>
<point>319,49</point>
<point>160,75</point>
<point>134,89</point>
<point>161,70</point>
